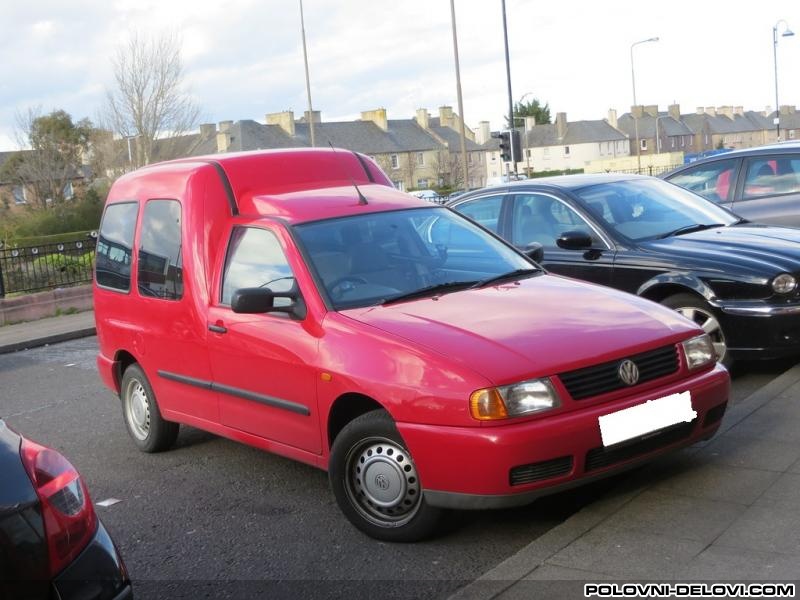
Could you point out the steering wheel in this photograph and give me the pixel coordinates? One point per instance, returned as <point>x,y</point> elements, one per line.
<point>339,286</point>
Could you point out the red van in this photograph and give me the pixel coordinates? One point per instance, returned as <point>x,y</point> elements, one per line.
<point>294,301</point>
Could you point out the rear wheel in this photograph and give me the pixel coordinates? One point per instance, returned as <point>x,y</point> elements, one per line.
<point>149,430</point>
<point>698,310</point>
<point>376,484</point>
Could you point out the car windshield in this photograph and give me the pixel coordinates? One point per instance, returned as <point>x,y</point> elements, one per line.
<point>380,257</point>
<point>641,209</point>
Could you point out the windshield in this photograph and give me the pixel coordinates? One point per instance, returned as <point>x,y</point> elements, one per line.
<point>374,258</point>
<point>641,209</point>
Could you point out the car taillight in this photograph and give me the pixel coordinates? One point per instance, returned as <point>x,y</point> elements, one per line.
<point>69,517</point>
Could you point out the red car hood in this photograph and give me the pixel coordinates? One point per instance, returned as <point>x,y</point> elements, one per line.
<point>537,327</point>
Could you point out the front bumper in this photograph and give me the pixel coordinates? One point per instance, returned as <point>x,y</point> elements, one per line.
<point>756,329</point>
<point>97,574</point>
<point>474,467</point>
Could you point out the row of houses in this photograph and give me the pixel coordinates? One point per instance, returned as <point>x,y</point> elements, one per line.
<point>424,151</point>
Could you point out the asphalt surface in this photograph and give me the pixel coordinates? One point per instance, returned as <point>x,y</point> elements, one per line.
<point>213,518</point>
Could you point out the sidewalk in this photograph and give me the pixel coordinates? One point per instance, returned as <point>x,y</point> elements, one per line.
<point>721,511</point>
<point>46,331</point>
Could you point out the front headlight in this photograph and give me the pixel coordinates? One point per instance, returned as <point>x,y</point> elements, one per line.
<point>699,351</point>
<point>784,283</point>
<point>506,401</point>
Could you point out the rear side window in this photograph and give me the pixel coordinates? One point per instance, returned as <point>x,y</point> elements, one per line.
<point>256,259</point>
<point>160,273</point>
<point>770,176</point>
<point>115,246</point>
<point>713,181</point>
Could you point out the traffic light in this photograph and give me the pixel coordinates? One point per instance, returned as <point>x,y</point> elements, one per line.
<point>516,146</point>
<point>505,145</point>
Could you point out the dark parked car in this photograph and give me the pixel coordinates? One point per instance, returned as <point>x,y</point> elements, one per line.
<point>760,184</point>
<point>640,234</point>
<point>52,545</point>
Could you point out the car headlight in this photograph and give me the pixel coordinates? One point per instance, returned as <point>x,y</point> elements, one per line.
<point>699,351</point>
<point>784,283</point>
<point>525,398</point>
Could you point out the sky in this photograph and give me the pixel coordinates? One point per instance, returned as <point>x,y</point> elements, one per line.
<point>243,58</point>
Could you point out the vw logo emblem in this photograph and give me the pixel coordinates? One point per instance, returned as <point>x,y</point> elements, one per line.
<point>381,482</point>
<point>628,372</point>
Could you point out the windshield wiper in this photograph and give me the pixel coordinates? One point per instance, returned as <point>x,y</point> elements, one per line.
<point>515,274</point>
<point>431,290</point>
<point>691,229</point>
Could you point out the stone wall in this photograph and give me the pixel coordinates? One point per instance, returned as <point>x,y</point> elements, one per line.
<point>31,307</point>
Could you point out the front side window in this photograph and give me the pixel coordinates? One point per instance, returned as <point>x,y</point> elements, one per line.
<point>160,272</point>
<point>713,181</point>
<point>542,218</point>
<point>771,176</point>
<point>256,259</point>
<point>114,252</point>
<point>485,211</point>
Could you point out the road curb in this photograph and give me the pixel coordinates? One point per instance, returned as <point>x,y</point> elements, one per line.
<point>48,339</point>
<point>497,580</point>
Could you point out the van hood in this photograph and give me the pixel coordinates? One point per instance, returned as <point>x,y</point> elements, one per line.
<point>535,327</point>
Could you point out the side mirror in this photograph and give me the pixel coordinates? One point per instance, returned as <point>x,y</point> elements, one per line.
<point>574,240</point>
<point>534,251</point>
<point>262,300</point>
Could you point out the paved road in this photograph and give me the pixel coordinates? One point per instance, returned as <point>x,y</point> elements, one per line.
<point>213,518</point>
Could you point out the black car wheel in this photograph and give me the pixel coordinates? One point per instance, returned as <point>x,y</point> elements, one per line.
<point>699,311</point>
<point>375,481</point>
<point>149,430</point>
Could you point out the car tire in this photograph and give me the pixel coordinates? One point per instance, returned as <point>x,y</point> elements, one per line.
<point>148,429</point>
<point>375,481</point>
<point>698,310</point>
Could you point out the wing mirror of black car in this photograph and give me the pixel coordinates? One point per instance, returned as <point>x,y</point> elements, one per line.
<point>262,300</point>
<point>574,240</point>
<point>534,251</point>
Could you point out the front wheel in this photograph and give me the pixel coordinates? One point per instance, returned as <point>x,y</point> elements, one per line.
<point>698,310</point>
<point>375,481</point>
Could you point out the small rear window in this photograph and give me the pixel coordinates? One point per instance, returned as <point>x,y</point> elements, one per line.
<point>160,273</point>
<point>115,246</point>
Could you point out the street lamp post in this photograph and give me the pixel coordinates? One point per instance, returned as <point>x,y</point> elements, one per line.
<point>308,81</point>
<point>525,133</point>
<point>786,33</point>
<point>635,117</point>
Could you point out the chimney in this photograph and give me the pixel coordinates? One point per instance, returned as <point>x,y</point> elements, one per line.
<point>787,109</point>
<point>738,110</point>
<point>711,111</point>
<point>223,140</point>
<point>225,125</point>
<point>377,116</point>
<point>484,133</point>
<point>423,118</point>
<point>313,116</point>
<point>446,117</point>
<point>674,111</point>
<point>612,118</point>
<point>561,125</point>
<point>530,122</point>
<point>652,110</point>
<point>207,130</point>
<point>637,112</point>
<point>725,111</point>
<point>284,120</point>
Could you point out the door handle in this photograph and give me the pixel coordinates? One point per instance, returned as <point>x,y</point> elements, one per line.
<point>217,328</point>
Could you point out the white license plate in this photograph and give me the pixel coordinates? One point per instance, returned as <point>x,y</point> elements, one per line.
<point>650,416</point>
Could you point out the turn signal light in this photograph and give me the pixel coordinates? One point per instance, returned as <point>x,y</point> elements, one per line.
<point>487,405</point>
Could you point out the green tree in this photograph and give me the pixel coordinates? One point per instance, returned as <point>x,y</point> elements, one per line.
<point>532,108</point>
<point>56,147</point>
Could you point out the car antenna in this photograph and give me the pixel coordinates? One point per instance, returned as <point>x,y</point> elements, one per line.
<point>362,199</point>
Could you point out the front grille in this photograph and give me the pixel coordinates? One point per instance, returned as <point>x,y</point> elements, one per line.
<point>597,458</point>
<point>603,378</point>
<point>542,470</point>
<point>715,414</point>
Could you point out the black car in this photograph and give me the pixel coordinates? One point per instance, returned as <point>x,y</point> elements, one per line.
<point>640,234</point>
<point>760,184</point>
<point>52,545</point>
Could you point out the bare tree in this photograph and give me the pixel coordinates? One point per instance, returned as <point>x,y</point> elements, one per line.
<point>149,108</point>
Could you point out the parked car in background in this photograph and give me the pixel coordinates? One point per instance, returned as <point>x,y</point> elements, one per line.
<point>429,195</point>
<point>52,545</point>
<point>737,280</point>
<point>264,297</point>
<point>760,184</point>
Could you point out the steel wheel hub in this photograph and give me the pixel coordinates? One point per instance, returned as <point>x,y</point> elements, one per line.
<point>383,483</point>
<point>138,410</point>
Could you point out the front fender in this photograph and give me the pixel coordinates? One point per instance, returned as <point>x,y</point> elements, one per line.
<point>687,281</point>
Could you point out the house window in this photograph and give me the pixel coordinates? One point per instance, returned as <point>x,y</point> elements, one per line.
<point>420,159</point>
<point>422,183</point>
<point>683,141</point>
<point>705,138</point>
<point>399,185</point>
<point>19,195</point>
<point>791,134</point>
<point>395,161</point>
<point>643,144</point>
<point>69,193</point>
<point>528,152</point>
<point>673,142</point>
<point>469,158</point>
<point>566,150</point>
<point>546,152</point>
